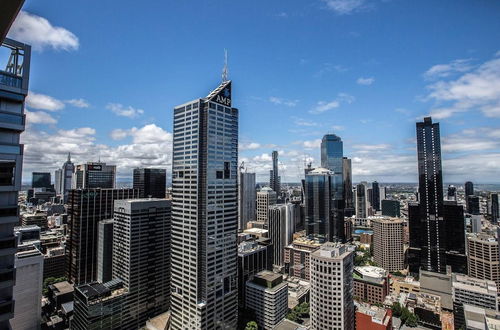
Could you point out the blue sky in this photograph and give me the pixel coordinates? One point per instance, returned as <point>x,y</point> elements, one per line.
<point>105,76</point>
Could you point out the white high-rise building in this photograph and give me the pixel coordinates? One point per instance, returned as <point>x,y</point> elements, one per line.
<point>64,178</point>
<point>265,198</point>
<point>205,212</point>
<point>247,195</point>
<point>332,304</point>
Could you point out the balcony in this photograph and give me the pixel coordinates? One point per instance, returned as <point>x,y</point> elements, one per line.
<point>14,78</point>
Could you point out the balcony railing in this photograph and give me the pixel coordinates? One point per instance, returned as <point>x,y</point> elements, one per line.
<point>10,80</point>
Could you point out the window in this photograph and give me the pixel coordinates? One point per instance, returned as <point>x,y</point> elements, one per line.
<point>227,172</point>
<point>218,175</point>
<point>7,173</point>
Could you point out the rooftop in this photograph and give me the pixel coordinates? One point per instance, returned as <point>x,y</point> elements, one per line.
<point>371,272</point>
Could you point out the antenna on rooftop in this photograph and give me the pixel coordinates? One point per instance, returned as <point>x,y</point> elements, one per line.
<point>225,70</point>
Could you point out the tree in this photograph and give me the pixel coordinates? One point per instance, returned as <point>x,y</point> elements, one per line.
<point>252,325</point>
<point>412,320</point>
<point>396,309</point>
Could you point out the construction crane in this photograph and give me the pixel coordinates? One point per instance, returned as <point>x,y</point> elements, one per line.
<point>242,166</point>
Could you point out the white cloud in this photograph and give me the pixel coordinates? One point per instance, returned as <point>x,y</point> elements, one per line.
<point>43,102</point>
<point>249,146</point>
<point>39,117</point>
<point>120,110</point>
<point>79,103</point>
<point>365,81</point>
<point>323,106</point>
<point>371,147</point>
<point>281,101</point>
<point>338,127</point>
<point>477,89</point>
<point>40,33</point>
<point>312,144</point>
<point>304,122</point>
<point>445,70</point>
<point>119,134</point>
<point>343,7</point>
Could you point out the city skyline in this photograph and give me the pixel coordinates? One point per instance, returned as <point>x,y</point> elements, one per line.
<point>340,78</point>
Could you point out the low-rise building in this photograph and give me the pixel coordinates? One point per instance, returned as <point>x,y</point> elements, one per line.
<point>297,257</point>
<point>373,318</point>
<point>371,284</point>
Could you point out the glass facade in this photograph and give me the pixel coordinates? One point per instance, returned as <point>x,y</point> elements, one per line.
<point>332,152</point>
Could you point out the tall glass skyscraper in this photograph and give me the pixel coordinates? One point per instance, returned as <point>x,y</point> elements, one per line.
<point>332,153</point>
<point>205,212</point>
<point>274,178</point>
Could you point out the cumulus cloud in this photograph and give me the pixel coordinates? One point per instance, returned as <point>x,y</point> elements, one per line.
<point>323,106</point>
<point>282,101</point>
<point>122,111</point>
<point>304,122</point>
<point>249,146</point>
<point>344,7</point>
<point>150,146</point>
<point>312,144</point>
<point>445,70</point>
<point>476,89</point>
<point>43,102</point>
<point>39,117</point>
<point>365,81</point>
<point>79,103</point>
<point>40,33</point>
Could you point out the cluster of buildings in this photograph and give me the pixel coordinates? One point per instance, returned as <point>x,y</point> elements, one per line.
<point>223,250</point>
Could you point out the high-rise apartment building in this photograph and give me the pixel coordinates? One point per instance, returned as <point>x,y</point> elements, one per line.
<point>265,197</point>
<point>94,175</point>
<point>483,258</point>
<point>104,250</point>
<point>247,195</point>
<point>14,79</point>
<point>332,304</point>
<point>151,182</point>
<point>349,210</point>
<point>433,224</point>
<point>205,212</point>
<point>267,298</point>
<point>494,210</point>
<point>141,257</point>
<point>274,178</point>
<point>324,214</point>
<point>469,189</point>
<point>388,250</point>
<point>86,207</point>
<point>41,180</point>
<point>64,178</point>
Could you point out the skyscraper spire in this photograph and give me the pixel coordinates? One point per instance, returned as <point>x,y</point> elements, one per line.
<point>225,70</point>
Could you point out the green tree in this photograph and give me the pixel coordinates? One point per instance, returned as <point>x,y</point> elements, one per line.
<point>252,325</point>
<point>396,309</point>
<point>51,280</point>
<point>412,320</point>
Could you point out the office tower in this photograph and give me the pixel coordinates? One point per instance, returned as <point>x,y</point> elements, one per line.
<point>375,200</point>
<point>274,178</point>
<point>64,178</point>
<point>13,90</point>
<point>483,257</point>
<point>332,153</point>
<point>253,257</point>
<point>388,250</point>
<point>469,189</point>
<point>324,205</point>
<point>28,290</point>
<point>391,208</point>
<point>247,195</point>
<point>452,192</point>
<point>205,212</point>
<point>94,175</point>
<point>331,304</point>
<point>361,201</point>
<point>297,257</point>
<point>453,215</point>
<point>473,205</point>
<point>265,197</point>
<point>40,180</point>
<point>99,305</point>
<point>54,263</point>
<point>86,207</point>
<point>493,207</point>
<point>373,317</point>
<point>382,194</point>
<point>471,291</point>
<point>348,195</point>
<point>151,182</point>
<point>276,225</point>
<point>267,298</point>
<point>141,257</point>
<point>104,250</point>
<point>293,215</point>
<point>371,284</point>
<point>427,232</point>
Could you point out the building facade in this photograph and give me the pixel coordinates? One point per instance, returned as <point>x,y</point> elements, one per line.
<point>391,208</point>
<point>276,226</point>
<point>41,180</point>
<point>371,284</point>
<point>274,177</point>
<point>483,258</point>
<point>205,212</point>
<point>388,243</point>
<point>332,305</point>
<point>64,178</point>
<point>86,207</point>
<point>141,257</point>
<point>104,250</point>
<point>247,195</point>
<point>151,182</point>
<point>94,175</point>
<point>349,209</point>
<point>266,197</point>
